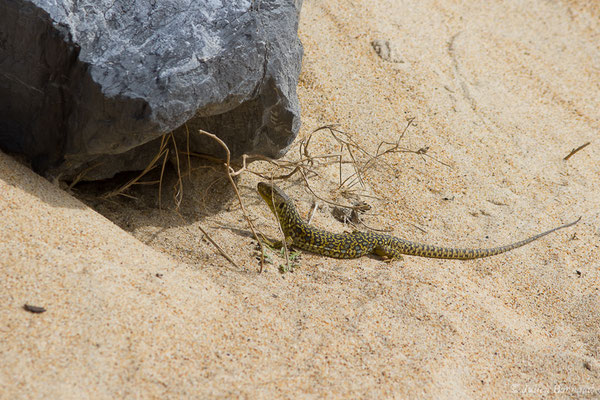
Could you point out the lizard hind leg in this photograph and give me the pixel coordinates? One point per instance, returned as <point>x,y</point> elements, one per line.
<point>387,253</point>
<point>278,244</point>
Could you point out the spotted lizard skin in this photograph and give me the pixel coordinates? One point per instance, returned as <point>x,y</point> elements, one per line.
<point>358,244</point>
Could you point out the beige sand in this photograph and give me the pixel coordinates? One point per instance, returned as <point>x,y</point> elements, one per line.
<point>144,307</point>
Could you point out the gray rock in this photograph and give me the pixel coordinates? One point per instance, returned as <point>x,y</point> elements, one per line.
<point>96,82</point>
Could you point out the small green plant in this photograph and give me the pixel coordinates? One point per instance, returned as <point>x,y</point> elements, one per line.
<point>294,257</point>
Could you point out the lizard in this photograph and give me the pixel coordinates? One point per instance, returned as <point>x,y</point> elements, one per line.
<point>357,243</point>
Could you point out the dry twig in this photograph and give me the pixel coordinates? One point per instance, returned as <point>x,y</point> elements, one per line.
<point>223,252</point>
<point>583,146</point>
<point>82,174</point>
<point>230,172</point>
<point>162,152</point>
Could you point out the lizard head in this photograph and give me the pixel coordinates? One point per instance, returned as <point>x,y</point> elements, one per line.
<point>275,198</point>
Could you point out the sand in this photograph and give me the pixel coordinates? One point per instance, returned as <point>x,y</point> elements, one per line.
<point>140,305</point>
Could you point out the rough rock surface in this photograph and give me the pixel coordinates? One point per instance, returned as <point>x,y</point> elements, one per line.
<point>87,82</point>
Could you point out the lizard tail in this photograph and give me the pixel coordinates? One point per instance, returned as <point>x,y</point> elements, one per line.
<point>423,250</point>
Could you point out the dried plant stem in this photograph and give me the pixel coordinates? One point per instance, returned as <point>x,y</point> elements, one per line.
<point>162,171</point>
<point>583,146</point>
<point>312,212</point>
<point>321,198</point>
<point>223,252</point>
<point>212,241</point>
<point>178,195</point>
<point>230,175</point>
<point>187,141</point>
<point>82,174</point>
<point>162,151</point>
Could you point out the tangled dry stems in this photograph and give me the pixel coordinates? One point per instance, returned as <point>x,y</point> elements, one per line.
<point>307,164</point>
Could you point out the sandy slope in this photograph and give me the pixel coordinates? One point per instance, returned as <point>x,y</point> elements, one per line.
<point>140,305</point>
